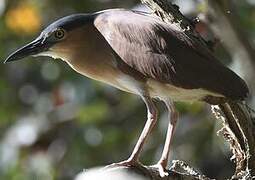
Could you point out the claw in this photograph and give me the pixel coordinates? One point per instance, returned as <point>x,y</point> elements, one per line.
<point>128,163</point>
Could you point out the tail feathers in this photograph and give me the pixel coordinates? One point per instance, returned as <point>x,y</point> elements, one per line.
<point>251,111</point>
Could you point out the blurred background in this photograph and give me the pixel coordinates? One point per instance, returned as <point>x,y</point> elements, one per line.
<point>54,123</point>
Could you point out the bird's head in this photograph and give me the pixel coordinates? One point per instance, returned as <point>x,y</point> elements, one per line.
<point>58,40</point>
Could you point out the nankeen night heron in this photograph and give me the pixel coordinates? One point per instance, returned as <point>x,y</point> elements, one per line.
<point>138,53</point>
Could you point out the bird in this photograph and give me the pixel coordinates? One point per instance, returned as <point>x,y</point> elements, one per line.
<point>138,53</point>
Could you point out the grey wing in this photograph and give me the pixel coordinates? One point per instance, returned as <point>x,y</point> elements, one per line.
<point>161,52</point>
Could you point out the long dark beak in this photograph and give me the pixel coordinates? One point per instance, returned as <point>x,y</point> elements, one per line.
<point>33,48</point>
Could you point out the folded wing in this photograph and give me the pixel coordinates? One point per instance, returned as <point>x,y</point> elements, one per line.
<point>162,52</point>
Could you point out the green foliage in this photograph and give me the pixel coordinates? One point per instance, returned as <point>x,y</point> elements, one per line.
<point>92,113</point>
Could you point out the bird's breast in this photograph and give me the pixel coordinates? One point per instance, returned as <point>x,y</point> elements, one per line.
<point>103,67</point>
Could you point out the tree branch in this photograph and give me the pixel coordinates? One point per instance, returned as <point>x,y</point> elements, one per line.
<point>178,171</point>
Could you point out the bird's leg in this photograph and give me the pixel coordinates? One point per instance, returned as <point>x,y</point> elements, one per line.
<point>151,121</point>
<point>173,117</point>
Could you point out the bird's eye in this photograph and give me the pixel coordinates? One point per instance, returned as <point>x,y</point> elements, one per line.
<point>59,34</point>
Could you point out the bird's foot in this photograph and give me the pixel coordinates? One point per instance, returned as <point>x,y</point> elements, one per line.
<point>161,169</point>
<point>128,163</point>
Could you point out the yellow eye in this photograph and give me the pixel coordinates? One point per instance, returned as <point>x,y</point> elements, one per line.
<point>59,34</point>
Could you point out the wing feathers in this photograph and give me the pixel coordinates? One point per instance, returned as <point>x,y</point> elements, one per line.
<point>161,52</point>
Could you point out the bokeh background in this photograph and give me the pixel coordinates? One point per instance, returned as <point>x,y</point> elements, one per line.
<point>54,123</point>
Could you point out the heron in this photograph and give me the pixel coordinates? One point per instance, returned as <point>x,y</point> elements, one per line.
<point>138,53</point>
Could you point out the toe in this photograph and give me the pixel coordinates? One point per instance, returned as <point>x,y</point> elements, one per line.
<point>162,171</point>
<point>128,163</point>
